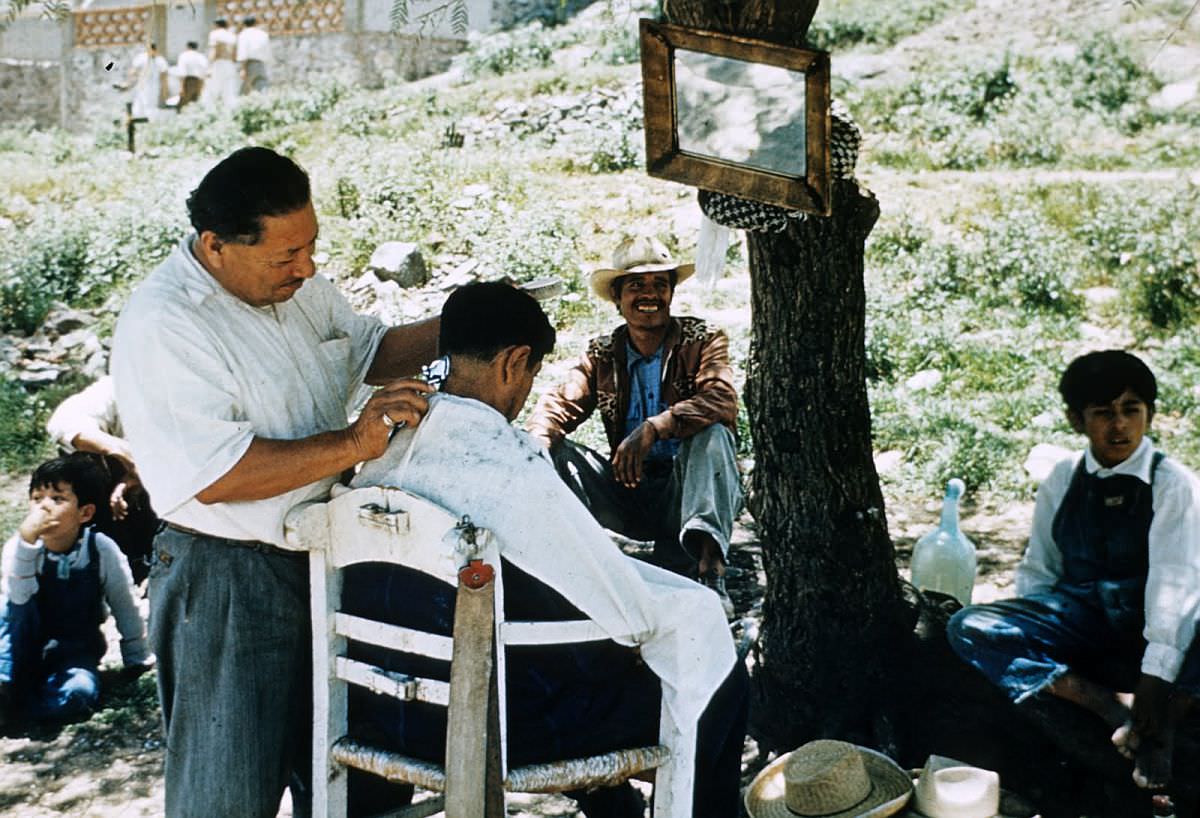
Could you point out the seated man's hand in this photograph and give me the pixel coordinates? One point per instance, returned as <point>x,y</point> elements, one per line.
<point>631,454</point>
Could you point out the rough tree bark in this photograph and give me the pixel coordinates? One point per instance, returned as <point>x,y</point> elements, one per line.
<point>833,610</point>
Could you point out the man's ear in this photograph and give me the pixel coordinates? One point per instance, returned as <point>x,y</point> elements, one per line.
<point>515,362</point>
<point>211,246</point>
<point>1076,420</point>
<point>87,512</point>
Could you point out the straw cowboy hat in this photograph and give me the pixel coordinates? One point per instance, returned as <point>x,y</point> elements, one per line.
<point>638,254</point>
<point>951,789</point>
<point>830,779</point>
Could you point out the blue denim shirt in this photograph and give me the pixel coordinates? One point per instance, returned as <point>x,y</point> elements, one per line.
<point>645,397</point>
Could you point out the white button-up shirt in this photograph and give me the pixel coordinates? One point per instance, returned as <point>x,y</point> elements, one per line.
<point>253,44</point>
<point>465,457</point>
<point>199,374</point>
<point>1173,586</point>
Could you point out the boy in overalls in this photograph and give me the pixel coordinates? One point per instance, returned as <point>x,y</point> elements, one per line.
<point>60,578</point>
<point>1109,587</point>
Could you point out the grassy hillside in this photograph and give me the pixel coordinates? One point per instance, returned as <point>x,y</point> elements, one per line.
<point>1035,173</point>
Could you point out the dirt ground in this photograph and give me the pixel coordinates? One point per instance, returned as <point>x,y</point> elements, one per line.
<point>111,765</point>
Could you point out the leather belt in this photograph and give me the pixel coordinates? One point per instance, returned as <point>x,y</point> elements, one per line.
<point>254,545</point>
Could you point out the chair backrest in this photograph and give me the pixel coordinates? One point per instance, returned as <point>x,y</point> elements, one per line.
<point>385,525</point>
<point>380,524</point>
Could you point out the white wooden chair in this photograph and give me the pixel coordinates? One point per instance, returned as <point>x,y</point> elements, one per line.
<point>388,525</point>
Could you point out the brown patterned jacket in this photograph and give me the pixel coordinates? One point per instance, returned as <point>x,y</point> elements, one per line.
<point>697,386</point>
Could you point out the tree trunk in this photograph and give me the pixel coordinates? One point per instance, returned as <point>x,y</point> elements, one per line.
<point>833,615</point>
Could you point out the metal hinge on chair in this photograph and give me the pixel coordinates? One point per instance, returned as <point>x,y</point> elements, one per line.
<point>380,517</point>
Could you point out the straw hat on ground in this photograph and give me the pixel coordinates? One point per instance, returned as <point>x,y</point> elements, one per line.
<point>830,779</point>
<point>638,254</point>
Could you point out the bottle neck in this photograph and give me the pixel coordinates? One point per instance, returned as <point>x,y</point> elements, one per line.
<point>950,515</point>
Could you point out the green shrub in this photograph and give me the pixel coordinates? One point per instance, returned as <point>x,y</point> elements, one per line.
<point>839,25</point>
<point>1106,76</point>
<point>77,255</point>
<point>614,149</point>
<point>504,53</point>
<point>1021,256</point>
<point>1165,284</point>
<point>261,112</point>
<point>22,428</point>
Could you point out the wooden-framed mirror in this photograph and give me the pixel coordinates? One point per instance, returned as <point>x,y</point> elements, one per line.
<point>737,115</point>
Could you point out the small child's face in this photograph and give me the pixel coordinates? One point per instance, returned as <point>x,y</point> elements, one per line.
<point>55,516</point>
<point>1115,429</point>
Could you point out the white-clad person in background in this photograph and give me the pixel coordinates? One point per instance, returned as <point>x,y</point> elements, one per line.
<point>223,80</point>
<point>147,82</point>
<point>193,68</point>
<point>253,55</point>
<point>256,363</point>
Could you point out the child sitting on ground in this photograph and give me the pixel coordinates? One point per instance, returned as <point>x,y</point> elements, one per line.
<point>59,574</point>
<point>1109,586</point>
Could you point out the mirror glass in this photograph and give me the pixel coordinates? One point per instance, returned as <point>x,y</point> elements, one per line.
<point>743,112</point>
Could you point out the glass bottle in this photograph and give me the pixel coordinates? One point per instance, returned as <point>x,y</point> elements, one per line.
<point>944,559</point>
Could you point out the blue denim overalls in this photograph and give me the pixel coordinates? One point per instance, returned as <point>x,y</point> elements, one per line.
<point>53,643</point>
<point>1091,622</point>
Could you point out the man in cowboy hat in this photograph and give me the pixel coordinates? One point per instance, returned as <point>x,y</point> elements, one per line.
<point>664,388</point>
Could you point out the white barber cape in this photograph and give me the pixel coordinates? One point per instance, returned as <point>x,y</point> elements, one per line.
<point>467,458</point>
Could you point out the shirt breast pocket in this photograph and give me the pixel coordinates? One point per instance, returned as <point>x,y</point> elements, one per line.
<point>334,356</point>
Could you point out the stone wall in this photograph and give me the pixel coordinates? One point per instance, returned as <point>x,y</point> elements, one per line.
<point>29,90</point>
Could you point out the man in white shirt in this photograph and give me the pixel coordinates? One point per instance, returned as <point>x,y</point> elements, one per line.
<point>1109,587</point>
<point>236,367</point>
<point>193,67</point>
<point>222,86</point>
<point>670,633</point>
<point>253,55</point>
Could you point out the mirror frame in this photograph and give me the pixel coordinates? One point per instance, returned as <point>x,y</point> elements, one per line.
<point>809,192</point>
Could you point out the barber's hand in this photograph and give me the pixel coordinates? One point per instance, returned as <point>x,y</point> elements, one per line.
<point>628,458</point>
<point>400,403</point>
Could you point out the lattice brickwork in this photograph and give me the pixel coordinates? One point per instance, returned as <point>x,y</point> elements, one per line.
<point>113,27</point>
<point>288,16</point>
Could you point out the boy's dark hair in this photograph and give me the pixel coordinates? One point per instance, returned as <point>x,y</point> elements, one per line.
<point>248,184</point>
<point>192,44</point>
<point>250,20</point>
<point>221,22</point>
<point>78,470</point>
<point>619,282</point>
<point>1100,377</point>
<point>481,319</point>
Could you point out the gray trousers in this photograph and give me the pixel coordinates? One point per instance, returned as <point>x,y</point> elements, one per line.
<point>256,77</point>
<point>700,490</point>
<point>230,625</point>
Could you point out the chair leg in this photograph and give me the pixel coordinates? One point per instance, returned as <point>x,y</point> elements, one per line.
<point>472,683</point>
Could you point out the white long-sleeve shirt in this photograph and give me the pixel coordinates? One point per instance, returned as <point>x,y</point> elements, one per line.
<point>1173,585</point>
<point>21,562</point>
<point>92,410</point>
<point>469,460</point>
